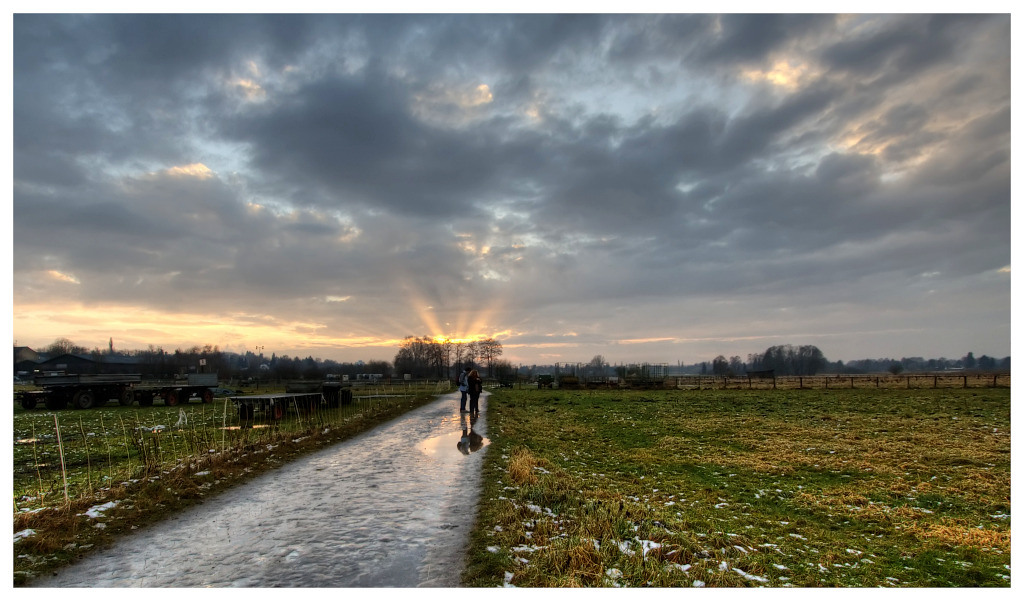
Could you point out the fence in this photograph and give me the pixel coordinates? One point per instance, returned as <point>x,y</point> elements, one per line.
<point>845,381</point>
<point>62,455</point>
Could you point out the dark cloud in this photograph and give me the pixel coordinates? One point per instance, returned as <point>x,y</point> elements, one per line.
<point>562,179</point>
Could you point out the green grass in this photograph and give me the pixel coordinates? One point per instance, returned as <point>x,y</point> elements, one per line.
<point>837,488</point>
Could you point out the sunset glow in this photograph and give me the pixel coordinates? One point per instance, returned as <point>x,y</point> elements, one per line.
<point>644,187</point>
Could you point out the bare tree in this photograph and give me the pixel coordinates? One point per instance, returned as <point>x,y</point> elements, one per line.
<point>489,349</point>
<point>63,346</point>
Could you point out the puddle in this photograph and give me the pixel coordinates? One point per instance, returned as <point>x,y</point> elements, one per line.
<point>455,444</point>
<point>461,441</point>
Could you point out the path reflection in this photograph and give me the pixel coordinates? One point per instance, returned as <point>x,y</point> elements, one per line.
<point>456,443</point>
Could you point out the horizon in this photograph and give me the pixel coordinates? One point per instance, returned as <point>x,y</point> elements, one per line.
<point>649,188</point>
<point>268,353</point>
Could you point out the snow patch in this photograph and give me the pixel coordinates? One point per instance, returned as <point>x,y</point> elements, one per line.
<point>753,577</point>
<point>97,510</point>
<point>23,534</point>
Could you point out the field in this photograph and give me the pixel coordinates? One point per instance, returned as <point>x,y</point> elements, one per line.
<point>136,465</point>
<point>734,488</point>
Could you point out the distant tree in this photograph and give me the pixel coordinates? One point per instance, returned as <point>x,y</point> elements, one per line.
<point>286,368</point>
<point>987,363</point>
<point>969,361</point>
<point>63,346</point>
<point>489,350</point>
<point>459,348</point>
<point>446,347</point>
<point>896,369</point>
<point>421,357</point>
<point>504,370</point>
<point>471,352</point>
<point>310,369</point>
<point>376,366</point>
<point>719,366</point>
<point>805,360</point>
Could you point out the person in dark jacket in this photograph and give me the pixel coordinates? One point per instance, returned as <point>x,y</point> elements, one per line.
<point>476,386</point>
<point>463,388</point>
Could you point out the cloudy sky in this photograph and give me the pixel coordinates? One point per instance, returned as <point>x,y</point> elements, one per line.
<point>648,188</point>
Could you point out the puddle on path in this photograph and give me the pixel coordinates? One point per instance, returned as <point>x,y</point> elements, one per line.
<point>457,443</point>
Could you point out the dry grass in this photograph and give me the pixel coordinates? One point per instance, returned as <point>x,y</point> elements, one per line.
<point>736,489</point>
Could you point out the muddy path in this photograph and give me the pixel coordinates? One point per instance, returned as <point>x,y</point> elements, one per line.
<point>392,507</point>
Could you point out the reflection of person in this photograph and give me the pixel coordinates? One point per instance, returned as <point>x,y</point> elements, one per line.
<point>471,442</point>
<point>463,444</point>
<point>476,386</point>
<point>463,388</point>
<point>475,441</point>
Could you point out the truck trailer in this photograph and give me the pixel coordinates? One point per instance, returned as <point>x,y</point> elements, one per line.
<point>84,391</point>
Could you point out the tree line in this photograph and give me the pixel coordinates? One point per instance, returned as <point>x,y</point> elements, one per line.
<point>808,360</point>
<point>429,357</point>
<point>155,361</point>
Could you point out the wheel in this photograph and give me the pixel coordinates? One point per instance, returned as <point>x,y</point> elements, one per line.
<point>277,411</point>
<point>84,399</point>
<point>207,396</point>
<point>28,402</point>
<point>55,401</point>
<point>171,398</point>
<point>126,398</point>
<point>245,414</point>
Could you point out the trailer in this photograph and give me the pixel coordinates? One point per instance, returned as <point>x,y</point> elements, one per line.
<point>303,396</point>
<point>274,406</point>
<point>179,390</point>
<point>84,391</point>
<point>333,393</point>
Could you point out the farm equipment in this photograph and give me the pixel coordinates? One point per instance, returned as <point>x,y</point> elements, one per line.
<point>545,380</point>
<point>84,391</point>
<point>303,396</point>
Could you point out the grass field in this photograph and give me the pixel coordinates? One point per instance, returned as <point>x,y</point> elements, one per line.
<point>803,488</point>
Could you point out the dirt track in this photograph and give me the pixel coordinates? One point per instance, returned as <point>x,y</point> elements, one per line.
<point>390,508</point>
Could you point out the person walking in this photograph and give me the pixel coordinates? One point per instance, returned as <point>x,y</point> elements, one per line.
<point>476,386</point>
<point>463,388</point>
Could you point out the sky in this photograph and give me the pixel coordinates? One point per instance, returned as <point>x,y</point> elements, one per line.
<point>646,187</point>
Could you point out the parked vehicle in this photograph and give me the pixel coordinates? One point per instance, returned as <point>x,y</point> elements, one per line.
<point>304,396</point>
<point>84,391</point>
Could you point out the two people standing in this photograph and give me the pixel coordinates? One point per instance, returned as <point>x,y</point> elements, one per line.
<point>470,384</point>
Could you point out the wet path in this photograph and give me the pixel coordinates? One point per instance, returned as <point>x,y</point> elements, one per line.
<point>390,508</point>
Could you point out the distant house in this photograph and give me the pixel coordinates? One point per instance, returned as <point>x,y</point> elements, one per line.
<point>25,360</point>
<point>24,353</point>
<point>90,364</point>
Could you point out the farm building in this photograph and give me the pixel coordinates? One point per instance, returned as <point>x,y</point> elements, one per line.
<point>89,364</point>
